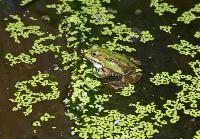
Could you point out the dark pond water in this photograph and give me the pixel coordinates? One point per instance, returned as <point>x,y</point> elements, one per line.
<point>155,57</point>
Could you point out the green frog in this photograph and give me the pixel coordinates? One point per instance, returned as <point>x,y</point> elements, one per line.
<point>112,64</point>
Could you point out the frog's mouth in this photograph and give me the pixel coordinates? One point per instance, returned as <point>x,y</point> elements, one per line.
<point>97,65</point>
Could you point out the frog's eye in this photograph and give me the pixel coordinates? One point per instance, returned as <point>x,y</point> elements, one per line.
<point>94,53</point>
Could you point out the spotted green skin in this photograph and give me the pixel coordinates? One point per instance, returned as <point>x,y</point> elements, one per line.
<point>114,64</point>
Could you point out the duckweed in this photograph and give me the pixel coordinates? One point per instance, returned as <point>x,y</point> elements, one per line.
<point>186,48</point>
<point>25,97</point>
<point>127,91</point>
<point>85,95</point>
<point>162,7</point>
<point>18,29</point>
<point>82,85</point>
<point>197,136</point>
<point>24,2</point>
<point>166,28</point>
<point>36,124</point>
<point>37,48</point>
<point>197,34</point>
<point>122,33</point>
<point>20,58</point>
<point>188,96</point>
<point>77,30</point>
<point>146,36</point>
<point>114,125</point>
<point>44,118</point>
<point>190,15</point>
<point>99,100</point>
<point>145,111</point>
<point>92,12</point>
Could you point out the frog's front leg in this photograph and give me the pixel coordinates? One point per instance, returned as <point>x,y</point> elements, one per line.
<point>104,72</point>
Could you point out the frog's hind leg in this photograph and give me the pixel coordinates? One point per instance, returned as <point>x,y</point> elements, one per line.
<point>115,85</point>
<point>132,78</point>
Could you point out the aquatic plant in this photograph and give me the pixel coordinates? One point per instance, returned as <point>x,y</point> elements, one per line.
<point>188,97</point>
<point>114,125</point>
<point>146,36</point>
<point>197,34</point>
<point>83,25</point>
<point>24,2</point>
<point>44,118</point>
<point>166,28</point>
<point>186,48</point>
<point>190,15</point>
<point>92,12</point>
<point>18,29</point>
<point>127,91</point>
<point>25,97</point>
<point>197,136</point>
<point>77,30</point>
<point>82,85</point>
<point>20,58</point>
<point>162,7</point>
<point>37,48</point>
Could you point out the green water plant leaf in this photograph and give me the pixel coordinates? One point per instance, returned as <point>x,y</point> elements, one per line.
<point>18,29</point>
<point>25,97</point>
<point>197,136</point>
<point>127,91</point>
<point>197,34</point>
<point>146,36</point>
<point>114,125</point>
<point>162,7</point>
<point>190,15</point>
<point>20,58</point>
<point>166,28</point>
<point>188,97</point>
<point>186,48</point>
<point>24,2</point>
<point>82,84</point>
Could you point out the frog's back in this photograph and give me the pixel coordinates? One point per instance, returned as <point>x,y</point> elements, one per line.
<point>115,56</point>
<point>125,64</point>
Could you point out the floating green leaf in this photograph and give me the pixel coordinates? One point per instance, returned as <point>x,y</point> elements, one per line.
<point>166,28</point>
<point>146,36</point>
<point>25,97</point>
<point>127,91</point>
<point>190,15</point>
<point>188,96</point>
<point>18,29</point>
<point>197,34</point>
<point>162,7</point>
<point>24,2</point>
<point>186,48</point>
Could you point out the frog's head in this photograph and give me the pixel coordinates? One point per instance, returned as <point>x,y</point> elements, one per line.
<point>95,55</point>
